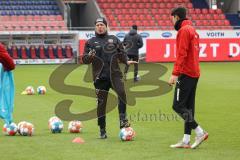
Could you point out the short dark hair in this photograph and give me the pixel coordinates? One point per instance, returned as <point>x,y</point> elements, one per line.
<point>134,27</point>
<point>181,12</point>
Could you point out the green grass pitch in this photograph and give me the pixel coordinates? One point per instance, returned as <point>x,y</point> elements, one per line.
<point>217,110</point>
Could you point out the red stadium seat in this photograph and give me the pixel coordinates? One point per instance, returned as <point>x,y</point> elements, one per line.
<point>205,22</point>
<point>135,17</point>
<point>170,5</point>
<point>50,52</point>
<point>36,18</point>
<point>201,16</point>
<point>69,51</point>
<point>189,5</point>
<point>48,28</point>
<point>222,16</point>
<point>111,5</point>
<point>154,11</point>
<point>23,51</point>
<point>142,17</point>
<point>145,11</point>
<point>44,18</point>
<point>141,5</point>
<point>14,18</point>
<point>211,11</point>
<point>120,5</point>
<point>208,16</point>
<point>59,52</point>
<point>120,17</point>
<point>61,24</point>
<point>17,28</point>
<point>59,18</point>
<point>21,18</point>
<point>205,11</point>
<point>123,23</point>
<point>25,28</point>
<point>226,23</point>
<point>147,5</point>
<point>195,17</point>
<point>33,52</point>
<point>197,11</point>
<point>14,52</point>
<point>216,16</point>
<point>165,17</point>
<point>32,28</point>
<point>157,17</point>
<point>6,18</point>
<point>51,18</point>
<point>114,23</point>
<point>220,23</point>
<point>40,28</point>
<point>219,11</point>
<point>41,51</point>
<point>191,11</point>
<point>212,23</point>
<point>130,23</point>
<point>152,23</point>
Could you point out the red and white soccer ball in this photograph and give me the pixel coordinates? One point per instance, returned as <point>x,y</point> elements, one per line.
<point>75,126</point>
<point>20,125</point>
<point>127,134</point>
<point>41,90</point>
<point>25,128</point>
<point>29,90</point>
<point>10,129</point>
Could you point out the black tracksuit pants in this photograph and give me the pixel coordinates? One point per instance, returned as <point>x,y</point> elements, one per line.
<point>102,87</point>
<point>184,101</point>
<point>133,58</point>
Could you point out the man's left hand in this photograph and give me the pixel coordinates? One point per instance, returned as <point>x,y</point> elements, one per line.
<point>131,62</point>
<point>172,80</point>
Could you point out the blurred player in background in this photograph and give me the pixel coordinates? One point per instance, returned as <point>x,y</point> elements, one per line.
<point>133,54</point>
<point>185,75</point>
<point>104,53</point>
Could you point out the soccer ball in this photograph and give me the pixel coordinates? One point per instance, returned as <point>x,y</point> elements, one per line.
<point>41,90</point>
<point>20,124</point>
<point>10,129</point>
<point>52,119</point>
<point>29,90</point>
<point>127,134</point>
<point>75,127</point>
<point>55,125</point>
<point>25,128</point>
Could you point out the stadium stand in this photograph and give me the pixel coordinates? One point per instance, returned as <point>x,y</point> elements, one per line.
<point>30,15</point>
<point>40,52</point>
<point>152,14</point>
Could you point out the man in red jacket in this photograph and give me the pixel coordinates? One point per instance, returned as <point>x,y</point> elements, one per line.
<point>185,75</point>
<point>5,59</point>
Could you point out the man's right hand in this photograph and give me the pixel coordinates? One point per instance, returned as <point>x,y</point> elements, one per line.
<point>92,54</point>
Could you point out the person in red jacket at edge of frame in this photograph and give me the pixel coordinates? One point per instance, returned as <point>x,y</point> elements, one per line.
<point>5,59</point>
<point>185,75</point>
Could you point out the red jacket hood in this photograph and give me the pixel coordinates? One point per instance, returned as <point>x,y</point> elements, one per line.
<point>186,22</point>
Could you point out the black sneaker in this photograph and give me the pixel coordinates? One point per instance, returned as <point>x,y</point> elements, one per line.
<point>103,134</point>
<point>136,79</point>
<point>124,124</point>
